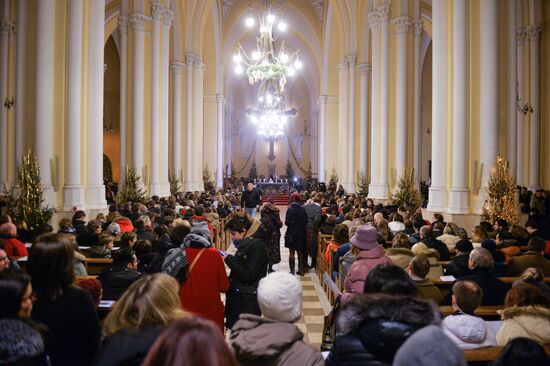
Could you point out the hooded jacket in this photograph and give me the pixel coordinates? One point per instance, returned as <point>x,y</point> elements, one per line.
<point>262,341</point>
<point>468,331</point>
<point>531,322</point>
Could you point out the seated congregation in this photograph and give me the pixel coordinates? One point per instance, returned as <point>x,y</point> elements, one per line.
<point>182,296</point>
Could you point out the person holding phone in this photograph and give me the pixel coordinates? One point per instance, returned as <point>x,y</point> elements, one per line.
<point>248,266</point>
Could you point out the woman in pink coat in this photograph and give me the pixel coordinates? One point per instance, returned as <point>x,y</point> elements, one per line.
<point>370,255</point>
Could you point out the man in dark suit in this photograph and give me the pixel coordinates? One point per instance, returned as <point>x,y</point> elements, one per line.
<point>534,257</point>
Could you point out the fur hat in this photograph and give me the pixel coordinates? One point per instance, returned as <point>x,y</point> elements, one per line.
<point>365,237</point>
<point>280,297</point>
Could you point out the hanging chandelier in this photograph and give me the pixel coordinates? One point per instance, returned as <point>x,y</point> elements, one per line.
<point>265,62</point>
<point>270,118</point>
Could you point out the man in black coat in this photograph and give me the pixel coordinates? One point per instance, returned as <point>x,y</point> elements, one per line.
<point>251,199</point>
<point>295,236</point>
<point>426,237</point>
<point>116,279</point>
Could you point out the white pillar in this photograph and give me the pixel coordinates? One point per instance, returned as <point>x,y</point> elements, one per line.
<point>344,125</point>
<point>375,108</point>
<point>437,193</point>
<point>73,191</point>
<point>533,31</point>
<point>20,80</point>
<point>167,19</point>
<point>520,149</point>
<point>123,28</point>
<point>95,190</point>
<point>188,181</point>
<point>364,70</point>
<point>417,110</point>
<point>322,137</point>
<point>402,25</point>
<point>384,16</point>
<point>197,125</point>
<point>511,118</point>
<point>459,195</point>
<point>6,27</point>
<point>489,93</point>
<point>177,70</point>
<point>154,188</point>
<point>138,24</point>
<point>44,95</point>
<point>352,61</point>
<point>219,148</point>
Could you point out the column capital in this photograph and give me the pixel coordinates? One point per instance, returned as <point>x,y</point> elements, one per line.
<point>384,13</point>
<point>177,67</point>
<point>323,99</point>
<point>6,26</point>
<point>352,60</point>
<point>138,21</point>
<point>123,24</point>
<point>402,24</point>
<point>157,10</point>
<point>344,64</point>
<point>365,68</point>
<point>373,20</point>
<point>189,58</point>
<point>167,17</point>
<point>533,32</point>
<point>220,98</point>
<point>418,27</point>
<point>521,34</point>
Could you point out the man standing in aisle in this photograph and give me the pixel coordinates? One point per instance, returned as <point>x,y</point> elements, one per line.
<point>251,200</point>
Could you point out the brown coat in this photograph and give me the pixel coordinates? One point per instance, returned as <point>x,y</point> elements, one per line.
<point>429,291</point>
<point>518,264</point>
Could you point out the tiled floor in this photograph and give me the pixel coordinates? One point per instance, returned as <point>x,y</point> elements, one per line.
<point>314,302</point>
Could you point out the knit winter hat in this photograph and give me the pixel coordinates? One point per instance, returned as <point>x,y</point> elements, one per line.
<point>114,229</point>
<point>201,228</point>
<point>365,237</point>
<point>280,297</point>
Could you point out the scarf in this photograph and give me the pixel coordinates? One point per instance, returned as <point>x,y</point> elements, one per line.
<point>175,261</point>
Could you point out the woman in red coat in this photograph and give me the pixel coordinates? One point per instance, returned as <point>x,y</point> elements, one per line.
<point>207,278</point>
<point>8,240</point>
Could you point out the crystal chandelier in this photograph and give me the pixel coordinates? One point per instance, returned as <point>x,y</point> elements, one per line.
<point>270,118</point>
<point>265,62</point>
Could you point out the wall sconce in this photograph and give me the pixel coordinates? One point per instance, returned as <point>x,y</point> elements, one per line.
<point>526,108</point>
<point>8,103</point>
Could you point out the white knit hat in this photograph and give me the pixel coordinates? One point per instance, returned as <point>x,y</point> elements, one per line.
<point>280,297</point>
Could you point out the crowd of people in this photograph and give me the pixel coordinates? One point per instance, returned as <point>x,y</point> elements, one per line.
<point>168,282</point>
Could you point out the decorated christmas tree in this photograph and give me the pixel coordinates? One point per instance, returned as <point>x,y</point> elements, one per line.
<point>500,193</point>
<point>207,179</point>
<point>362,184</point>
<point>406,193</point>
<point>253,174</point>
<point>27,206</point>
<point>132,191</point>
<point>289,170</point>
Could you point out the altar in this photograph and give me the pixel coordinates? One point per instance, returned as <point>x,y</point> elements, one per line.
<point>272,187</point>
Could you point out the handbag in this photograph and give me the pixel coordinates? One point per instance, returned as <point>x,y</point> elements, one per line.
<point>329,326</point>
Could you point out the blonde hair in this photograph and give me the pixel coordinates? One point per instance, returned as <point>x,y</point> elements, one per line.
<point>150,301</point>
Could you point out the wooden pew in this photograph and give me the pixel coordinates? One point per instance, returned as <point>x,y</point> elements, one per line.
<point>96,265</point>
<point>489,353</point>
<point>485,311</point>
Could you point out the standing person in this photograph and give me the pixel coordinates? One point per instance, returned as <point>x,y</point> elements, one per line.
<point>295,236</point>
<point>251,199</point>
<point>314,212</point>
<point>272,223</point>
<point>248,266</point>
<point>67,311</point>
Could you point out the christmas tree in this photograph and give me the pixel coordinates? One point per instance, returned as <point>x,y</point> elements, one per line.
<point>309,178</point>
<point>207,180</point>
<point>333,180</point>
<point>27,206</point>
<point>406,194</point>
<point>175,184</point>
<point>132,192</point>
<point>500,194</point>
<point>253,174</point>
<point>289,170</point>
<point>362,184</point>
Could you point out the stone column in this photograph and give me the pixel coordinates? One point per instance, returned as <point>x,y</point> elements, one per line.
<point>219,148</point>
<point>437,193</point>
<point>364,70</point>
<point>187,182</point>
<point>177,70</point>
<point>43,123</point>
<point>511,118</point>
<point>95,190</point>
<point>138,24</point>
<point>20,83</point>
<point>167,18</point>
<point>352,62</point>
<point>417,105</point>
<point>488,131</point>
<point>123,28</point>
<point>198,124</point>
<point>344,126</point>
<point>384,17</point>
<point>157,10</point>
<point>73,191</point>
<point>402,25</point>
<point>322,137</point>
<point>375,107</point>
<point>459,195</point>
<point>533,31</point>
<point>6,27</point>
<point>520,149</point>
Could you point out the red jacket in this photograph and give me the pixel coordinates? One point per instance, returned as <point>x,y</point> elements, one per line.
<point>14,248</point>
<point>201,292</point>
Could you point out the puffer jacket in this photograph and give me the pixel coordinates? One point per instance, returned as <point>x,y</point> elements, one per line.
<point>468,331</point>
<point>531,322</point>
<point>381,323</point>
<point>262,341</point>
